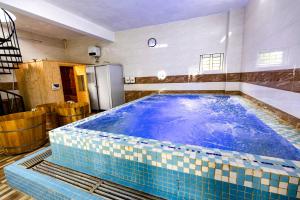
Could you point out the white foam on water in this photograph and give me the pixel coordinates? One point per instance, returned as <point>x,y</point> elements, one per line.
<point>220,127</point>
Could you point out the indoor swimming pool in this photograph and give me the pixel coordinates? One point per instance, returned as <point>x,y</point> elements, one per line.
<point>176,146</point>
<point>212,121</point>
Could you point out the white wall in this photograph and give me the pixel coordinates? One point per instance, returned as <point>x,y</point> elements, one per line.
<point>263,25</point>
<point>186,41</point>
<point>235,47</point>
<point>176,86</point>
<point>272,25</point>
<point>284,100</point>
<point>235,42</point>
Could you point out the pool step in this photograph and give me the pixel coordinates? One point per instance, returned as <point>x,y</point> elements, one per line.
<point>105,189</point>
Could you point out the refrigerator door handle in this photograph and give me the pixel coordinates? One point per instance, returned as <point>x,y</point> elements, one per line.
<point>109,88</point>
<point>97,88</point>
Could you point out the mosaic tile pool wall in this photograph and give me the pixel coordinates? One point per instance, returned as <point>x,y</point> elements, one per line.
<point>173,184</point>
<point>177,171</point>
<point>172,173</point>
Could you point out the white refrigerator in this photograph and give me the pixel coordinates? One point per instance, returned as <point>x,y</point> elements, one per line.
<point>106,86</point>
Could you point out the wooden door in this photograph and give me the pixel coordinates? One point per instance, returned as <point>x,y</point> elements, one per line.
<point>69,83</point>
<point>81,83</point>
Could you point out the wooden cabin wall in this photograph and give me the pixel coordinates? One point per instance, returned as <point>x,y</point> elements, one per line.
<point>35,82</point>
<point>53,76</point>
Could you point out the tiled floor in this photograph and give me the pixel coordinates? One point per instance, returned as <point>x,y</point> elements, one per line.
<point>6,192</point>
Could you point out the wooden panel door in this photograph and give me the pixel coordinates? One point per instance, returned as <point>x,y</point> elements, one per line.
<point>68,83</point>
<point>81,83</point>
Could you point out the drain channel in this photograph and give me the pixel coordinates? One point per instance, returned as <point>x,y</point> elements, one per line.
<point>107,190</point>
<point>36,159</point>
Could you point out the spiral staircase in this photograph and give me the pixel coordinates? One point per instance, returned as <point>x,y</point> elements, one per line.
<point>10,58</point>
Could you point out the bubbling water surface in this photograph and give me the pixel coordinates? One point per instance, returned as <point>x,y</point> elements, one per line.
<point>214,121</point>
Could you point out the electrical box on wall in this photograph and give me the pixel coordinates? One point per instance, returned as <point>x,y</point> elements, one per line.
<point>129,80</point>
<point>132,79</point>
<point>94,51</point>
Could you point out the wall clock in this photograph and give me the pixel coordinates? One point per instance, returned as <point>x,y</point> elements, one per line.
<point>152,42</point>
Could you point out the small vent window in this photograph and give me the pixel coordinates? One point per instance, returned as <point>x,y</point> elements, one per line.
<point>270,58</point>
<point>212,62</point>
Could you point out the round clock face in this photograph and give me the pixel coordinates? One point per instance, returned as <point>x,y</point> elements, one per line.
<point>152,42</point>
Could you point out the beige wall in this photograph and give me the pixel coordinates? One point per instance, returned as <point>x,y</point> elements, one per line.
<point>77,49</point>
<point>35,46</point>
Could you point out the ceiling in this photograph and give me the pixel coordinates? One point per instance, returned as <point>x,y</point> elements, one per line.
<point>119,15</point>
<point>34,25</point>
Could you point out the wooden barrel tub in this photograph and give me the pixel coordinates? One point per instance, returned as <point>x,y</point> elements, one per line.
<point>22,132</point>
<point>70,112</point>
<point>51,115</point>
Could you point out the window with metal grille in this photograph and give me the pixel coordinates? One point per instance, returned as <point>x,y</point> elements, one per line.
<point>270,58</point>
<point>212,62</point>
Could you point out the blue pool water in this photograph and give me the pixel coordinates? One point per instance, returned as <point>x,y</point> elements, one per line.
<point>204,120</point>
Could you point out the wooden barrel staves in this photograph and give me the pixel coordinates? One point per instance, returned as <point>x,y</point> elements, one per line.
<point>70,112</point>
<point>22,132</point>
<point>51,115</point>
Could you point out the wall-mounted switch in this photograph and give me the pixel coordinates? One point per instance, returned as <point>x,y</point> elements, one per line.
<point>132,79</point>
<point>127,79</point>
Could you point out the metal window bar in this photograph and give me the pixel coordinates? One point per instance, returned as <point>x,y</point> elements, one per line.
<point>212,62</point>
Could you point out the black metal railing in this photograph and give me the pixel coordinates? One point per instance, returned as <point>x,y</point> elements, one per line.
<point>10,57</point>
<point>10,54</point>
<point>10,103</point>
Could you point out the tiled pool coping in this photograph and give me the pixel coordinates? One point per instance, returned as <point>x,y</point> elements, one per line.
<point>259,172</point>
<point>41,186</point>
<point>44,180</point>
